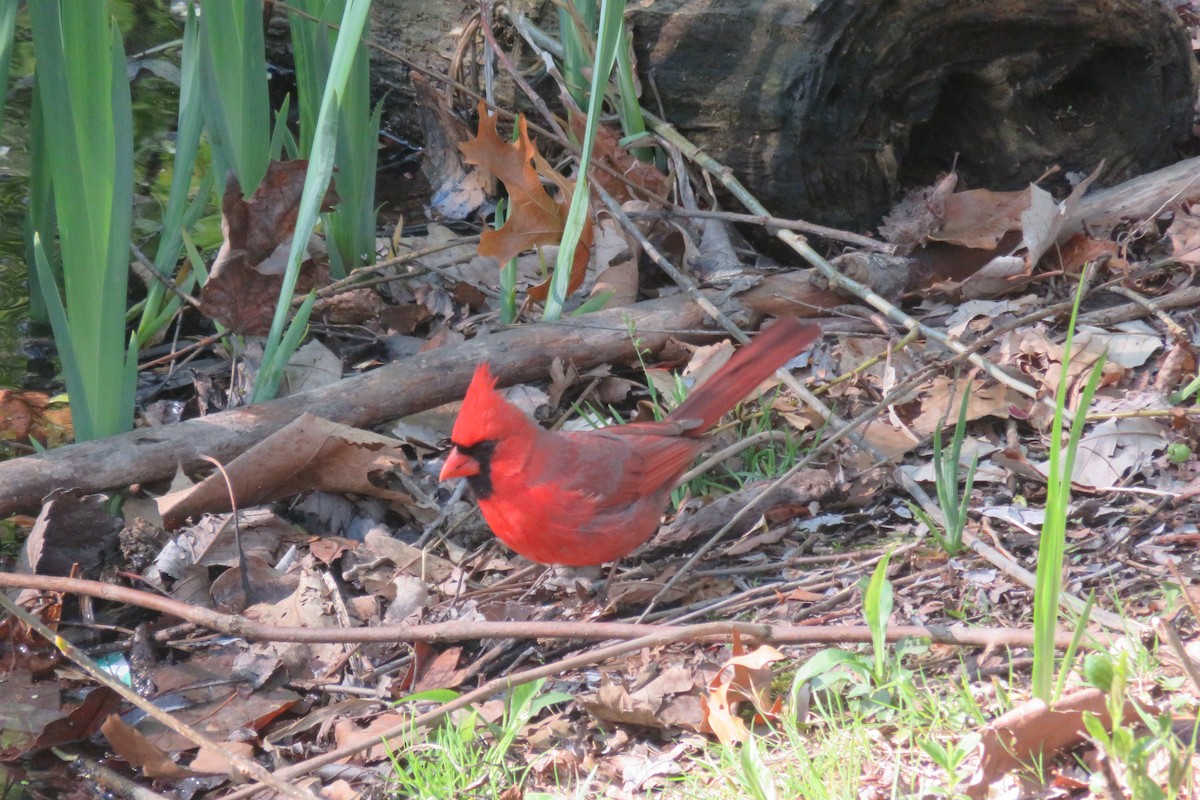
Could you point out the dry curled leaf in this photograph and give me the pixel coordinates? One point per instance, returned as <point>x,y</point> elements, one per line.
<point>535,219</point>
<point>746,677</point>
<point>247,275</point>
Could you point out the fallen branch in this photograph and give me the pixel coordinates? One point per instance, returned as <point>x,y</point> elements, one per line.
<point>396,390</point>
<point>235,625</point>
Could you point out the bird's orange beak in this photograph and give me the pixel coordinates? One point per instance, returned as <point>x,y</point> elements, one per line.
<point>458,466</point>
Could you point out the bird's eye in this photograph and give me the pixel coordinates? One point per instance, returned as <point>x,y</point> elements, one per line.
<point>482,449</point>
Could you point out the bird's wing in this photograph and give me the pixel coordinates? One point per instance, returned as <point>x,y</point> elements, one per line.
<point>621,466</point>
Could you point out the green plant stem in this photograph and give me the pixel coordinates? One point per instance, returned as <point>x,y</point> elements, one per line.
<point>87,120</point>
<point>611,22</point>
<point>1052,543</point>
<point>320,169</point>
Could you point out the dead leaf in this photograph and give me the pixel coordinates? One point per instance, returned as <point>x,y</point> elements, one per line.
<point>1112,450</point>
<point>1131,346</point>
<point>400,556</point>
<point>310,453</point>
<point>31,415</point>
<point>1082,249</point>
<point>616,260</point>
<point>1033,732</point>
<point>535,219</point>
<point>73,529</point>
<point>456,192</point>
<point>247,275</point>
<point>139,752</point>
<point>210,542</point>
<point>347,733</point>
<point>1015,228</point>
<point>987,312</point>
<point>746,677</point>
<point>265,585</point>
<point>1032,352</point>
<point>340,789</point>
<point>608,151</point>
<point>442,672</point>
<point>81,722</point>
<point>669,701</point>
<point>979,218</point>
<point>940,404</point>
<point>30,708</point>
<point>1184,234</point>
<point>308,606</point>
<point>209,762</point>
<point>221,691</point>
<point>312,366</point>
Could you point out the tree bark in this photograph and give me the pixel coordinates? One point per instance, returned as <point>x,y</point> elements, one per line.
<point>829,109</point>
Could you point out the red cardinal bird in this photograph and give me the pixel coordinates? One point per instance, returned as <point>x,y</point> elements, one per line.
<point>587,497</point>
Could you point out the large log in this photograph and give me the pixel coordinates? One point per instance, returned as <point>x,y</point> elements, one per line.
<point>829,109</point>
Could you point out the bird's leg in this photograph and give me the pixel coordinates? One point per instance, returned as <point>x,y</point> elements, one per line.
<point>606,584</point>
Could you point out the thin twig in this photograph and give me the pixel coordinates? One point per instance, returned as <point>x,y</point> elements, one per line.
<point>1174,328</point>
<point>354,279</point>
<point>89,770</point>
<point>865,242</point>
<point>144,268</point>
<point>456,631</point>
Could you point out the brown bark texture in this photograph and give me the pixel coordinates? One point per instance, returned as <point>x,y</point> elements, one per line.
<point>829,109</point>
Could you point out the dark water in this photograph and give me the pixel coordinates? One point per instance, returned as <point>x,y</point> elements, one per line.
<point>26,349</point>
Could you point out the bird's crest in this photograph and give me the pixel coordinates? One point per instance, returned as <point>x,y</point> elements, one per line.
<point>485,414</point>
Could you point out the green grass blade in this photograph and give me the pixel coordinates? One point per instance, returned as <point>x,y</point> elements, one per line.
<point>576,28</point>
<point>40,215</point>
<point>156,313</point>
<point>1052,542</point>
<point>877,609</point>
<point>350,228</point>
<point>320,169</point>
<point>281,135</point>
<point>234,85</point>
<point>57,314</point>
<point>1076,639</point>
<point>187,145</point>
<point>628,106</point>
<point>312,54</point>
<point>88,154</point>
<point>8,24</point>
<point>611,24</point>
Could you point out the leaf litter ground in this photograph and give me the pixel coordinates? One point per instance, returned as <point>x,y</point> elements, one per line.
<point>345,528</point>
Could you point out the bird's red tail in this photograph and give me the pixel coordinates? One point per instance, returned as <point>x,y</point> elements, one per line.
<point>748,367</point>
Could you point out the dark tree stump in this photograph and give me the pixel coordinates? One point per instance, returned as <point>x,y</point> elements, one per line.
<point>828,109</point>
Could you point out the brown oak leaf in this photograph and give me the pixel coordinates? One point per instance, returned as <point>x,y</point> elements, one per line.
<point>535,219</point>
